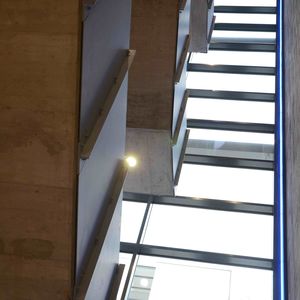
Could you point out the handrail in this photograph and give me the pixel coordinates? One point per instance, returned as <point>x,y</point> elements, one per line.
<point>182,5</point>
<point>181,158</point>
<point>90,142</point>
<point>116,281</point>
<point>180,117</point>
<point>84,281</point>
<point>182,58</point>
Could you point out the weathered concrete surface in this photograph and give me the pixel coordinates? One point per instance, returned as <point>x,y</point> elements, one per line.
<point>292,98</point>
<point>153,174</point>
<point>39,99</point>
<point>153,35</point>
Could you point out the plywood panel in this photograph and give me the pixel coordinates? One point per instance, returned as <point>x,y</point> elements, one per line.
<point>153,35</point>
<point>292,93</point>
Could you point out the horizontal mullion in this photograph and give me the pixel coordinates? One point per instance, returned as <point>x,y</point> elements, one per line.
<point>245,27</point>
<point>212,204</point>
<point>200,256</point>
<point>232,126</point>
<point>232,95</point>
<point>245,9</point>
<point>242,47</point>
<point>231,162</point>
<point>253,70</point>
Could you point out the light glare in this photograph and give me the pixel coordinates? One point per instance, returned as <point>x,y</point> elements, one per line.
<point>131,161</point>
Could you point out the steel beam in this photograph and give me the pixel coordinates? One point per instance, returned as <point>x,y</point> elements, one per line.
<point>234,126</point>
<point>199,256</point>
<point>231,95</point>
<point>251,70</point>
<point>212,204</point>
<point>245,27</point>
<point>227,46</point>
<point>230,162</point>
<point>245,9</point>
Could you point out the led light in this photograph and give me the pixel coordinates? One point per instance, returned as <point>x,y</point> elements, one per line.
<point>131,161</point>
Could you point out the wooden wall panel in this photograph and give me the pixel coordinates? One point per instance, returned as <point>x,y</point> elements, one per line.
<point>39,58</point>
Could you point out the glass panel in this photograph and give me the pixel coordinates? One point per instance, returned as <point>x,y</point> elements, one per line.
<point>231,82</point>
<point>230,149</point>
<point>243,40</point>
<point>235,184</point>
<point>245,18</point>
<point>243,34</point>
<point>132,217</point>
<point>246,3</point>
<point>243,58</point>
<point>231,136</point>
<point>177,280</point>
<point>230,110</point>
<point>210,231</point>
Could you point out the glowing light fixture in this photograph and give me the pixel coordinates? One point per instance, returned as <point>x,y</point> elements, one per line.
<point>131,161</point>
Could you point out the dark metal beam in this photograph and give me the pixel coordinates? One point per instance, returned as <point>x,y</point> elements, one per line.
<point>231,95</point>
<point>253,70</point>
<point>230,162</point>
<point>242,47</point>
<point>245,9</point>
<point>212,204</point>
<point>245,27</point>
<point>234,126</point>
<point>200,256</point>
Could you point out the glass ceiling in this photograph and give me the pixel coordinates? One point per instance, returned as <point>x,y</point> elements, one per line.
<point>207,230</point>
<point>245,3</point>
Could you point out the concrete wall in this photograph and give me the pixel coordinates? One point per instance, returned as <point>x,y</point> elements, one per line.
<point>292,99</point>
<point>39,59</point>
<point>153,174</point>
<point>153,35</point>
<point>105,44</point>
